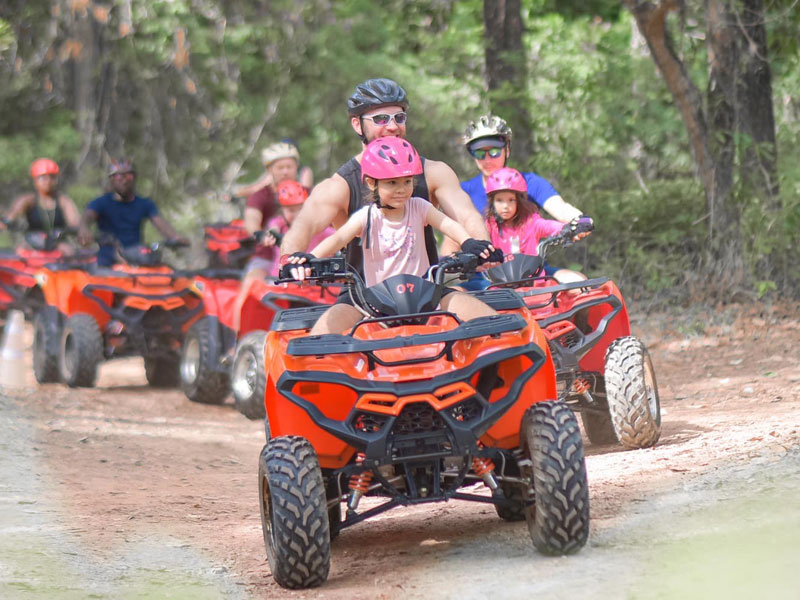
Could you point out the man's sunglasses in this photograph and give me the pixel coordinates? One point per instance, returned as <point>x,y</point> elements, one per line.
<point>480,153</point>
<point>383,119</point>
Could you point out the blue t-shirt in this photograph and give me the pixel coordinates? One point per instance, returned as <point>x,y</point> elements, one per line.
<point>539,190</point>
<point>123,220</point>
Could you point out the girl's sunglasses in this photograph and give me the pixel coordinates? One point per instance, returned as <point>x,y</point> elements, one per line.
<point>382,120</point>
<point>481,153</point>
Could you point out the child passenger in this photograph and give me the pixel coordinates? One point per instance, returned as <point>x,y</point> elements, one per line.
<point>391,228</point>
<point>291,196</point>
<point>514,224</point>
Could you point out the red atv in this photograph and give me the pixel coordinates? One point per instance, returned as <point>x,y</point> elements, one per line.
<point>18,287</point>
<point>141,307</point>
<point>228,245</point>
<point>603,372</point>
<point>413,406</point>
<point>208,371</point>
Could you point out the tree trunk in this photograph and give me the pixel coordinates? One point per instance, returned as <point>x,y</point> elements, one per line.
<point>652,21</point>
<point>721,38</point>
<point>754,99</point>
<point>506,71</point>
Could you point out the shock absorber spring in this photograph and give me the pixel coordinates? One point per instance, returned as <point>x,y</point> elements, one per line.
<point>360,482</point>
<point>359,485</point>
<point>484,468</point>
<point>582,387</point>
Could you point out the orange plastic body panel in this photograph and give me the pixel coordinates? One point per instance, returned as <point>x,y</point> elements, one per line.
<point>22,267</point>
<point>257,316</point>
<point>594,360</point>
<point>64,290</point>
<point>336,401</point>
<point>218,297</point>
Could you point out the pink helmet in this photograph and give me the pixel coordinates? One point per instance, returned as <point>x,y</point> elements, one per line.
<point>506,179</point>
<point>390,157</point>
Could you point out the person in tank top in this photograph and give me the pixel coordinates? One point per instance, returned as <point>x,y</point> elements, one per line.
<point>378,108</point>
<point>391,225</point>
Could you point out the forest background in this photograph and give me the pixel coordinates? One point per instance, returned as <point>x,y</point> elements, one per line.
<point>673,123</point>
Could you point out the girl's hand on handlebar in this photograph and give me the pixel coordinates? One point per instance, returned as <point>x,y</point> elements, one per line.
<point>290,268</point>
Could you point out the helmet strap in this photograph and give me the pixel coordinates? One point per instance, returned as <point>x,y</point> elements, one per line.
<point>361,135</point>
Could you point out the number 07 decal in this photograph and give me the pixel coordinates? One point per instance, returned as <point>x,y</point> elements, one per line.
<point>402,288</point>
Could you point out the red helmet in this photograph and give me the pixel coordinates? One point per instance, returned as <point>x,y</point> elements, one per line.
<point>506,179</point>
<point>390,157</point>
<point>291,193</point>
<point>43,166</point>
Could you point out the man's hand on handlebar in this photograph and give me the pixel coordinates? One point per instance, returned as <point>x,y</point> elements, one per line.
<point>483,249</point>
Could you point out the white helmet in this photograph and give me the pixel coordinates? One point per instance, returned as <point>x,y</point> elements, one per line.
<point>487,126</point>
<point>278,151</point>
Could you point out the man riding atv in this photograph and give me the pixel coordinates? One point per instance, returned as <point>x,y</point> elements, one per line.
<point>121,213</point>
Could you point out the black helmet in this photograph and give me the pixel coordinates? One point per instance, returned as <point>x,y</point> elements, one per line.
<point>374,93</point>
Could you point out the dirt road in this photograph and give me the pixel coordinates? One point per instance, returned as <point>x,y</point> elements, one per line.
<point>126,492</point>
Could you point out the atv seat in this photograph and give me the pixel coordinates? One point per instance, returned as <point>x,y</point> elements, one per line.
<point>297,318</point>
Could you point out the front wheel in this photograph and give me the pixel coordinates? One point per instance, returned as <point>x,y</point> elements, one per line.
<point>81,350</point>
<point>249,377</point>
<point>200,380</point>
<point>162,372</point>
<point>45,351</point>
<point>294,513</point>
<point>558,518</point>
<point>632,393</point>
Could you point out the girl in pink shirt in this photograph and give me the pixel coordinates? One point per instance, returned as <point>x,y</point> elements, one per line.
<point>291,196</point>
<point>514,224</point>
<point>391,229</point>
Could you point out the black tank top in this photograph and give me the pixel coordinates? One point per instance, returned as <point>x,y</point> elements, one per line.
<point>351,173</point>
<point>40,219</point>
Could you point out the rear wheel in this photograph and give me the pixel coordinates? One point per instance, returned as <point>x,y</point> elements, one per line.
<point>598,427</point>
<point>248,376</point>
<point>513,509</point>
<point>81,350</point>
<point>558,519</point>
<point>162,372</point>
<point>200,380</point>
<point>294,513</point>
<point>45,351</point>
<point>632,393</point>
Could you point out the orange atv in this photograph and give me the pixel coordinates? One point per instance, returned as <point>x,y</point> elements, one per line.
<point>140,307</point>
<point>412,406</point>
<point>603,372</point>
<point>18,287</point>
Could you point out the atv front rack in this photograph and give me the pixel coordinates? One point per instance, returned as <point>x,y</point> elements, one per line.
<point>464,417</point>
<point>322,345</point>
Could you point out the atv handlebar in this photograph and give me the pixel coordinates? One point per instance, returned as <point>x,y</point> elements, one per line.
<point>569,234</point>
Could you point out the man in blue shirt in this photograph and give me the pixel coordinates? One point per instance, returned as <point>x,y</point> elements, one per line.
<point>488,140</point>
<point>121,213</point>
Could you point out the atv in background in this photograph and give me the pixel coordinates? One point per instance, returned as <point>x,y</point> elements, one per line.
<point>18,289</point>
<point>140,307</point>
<point>603,372</point>
<point>213,360</point>
<point>228,245</point>
<point>412,406</point>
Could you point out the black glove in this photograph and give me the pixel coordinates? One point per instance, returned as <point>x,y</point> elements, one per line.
<point>286,269</point>
<point>582,224</point>
<point>473,246</point>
